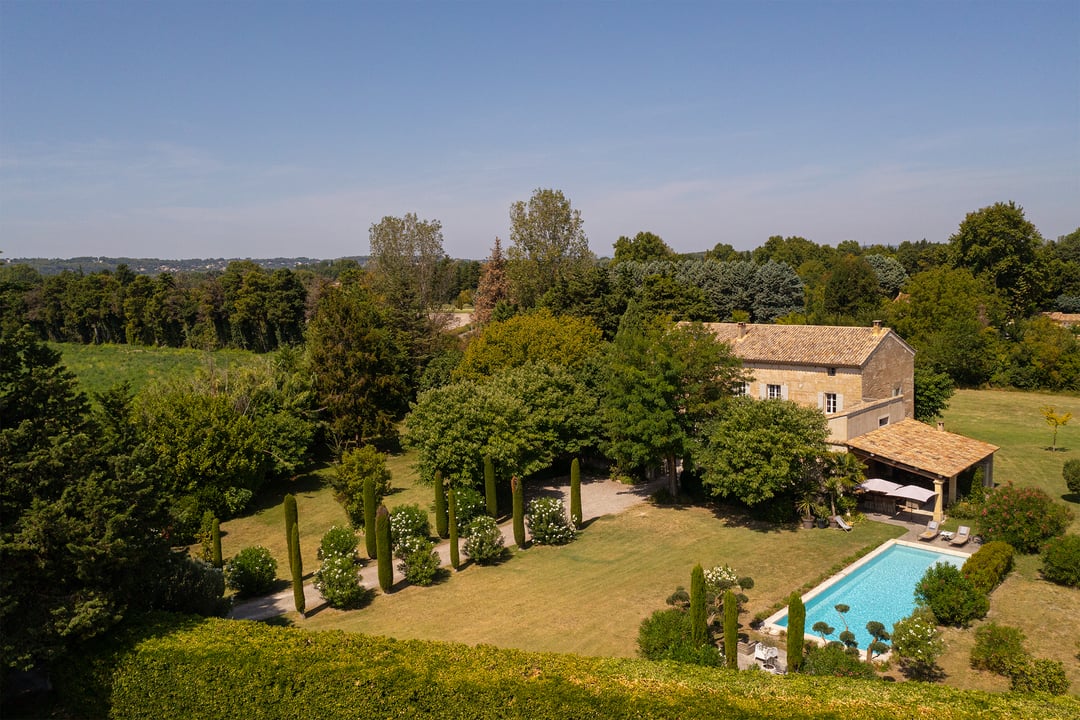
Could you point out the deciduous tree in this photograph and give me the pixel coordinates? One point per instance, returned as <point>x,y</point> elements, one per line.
<point>548,245</point>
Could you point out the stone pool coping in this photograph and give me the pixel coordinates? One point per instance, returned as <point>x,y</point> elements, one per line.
<point>770,627</point>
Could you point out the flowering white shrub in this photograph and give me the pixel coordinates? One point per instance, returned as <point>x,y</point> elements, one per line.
<point>251,572</point>
<point>408,521</point>
<point>418,560</point>
<point>548,524</point>
<point>917,641</point>
<point>721,578</point>
<point>339,582</point>
<point>485,542</point>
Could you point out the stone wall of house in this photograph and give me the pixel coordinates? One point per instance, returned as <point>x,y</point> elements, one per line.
<point>890,372</point>
<point>806,384</point>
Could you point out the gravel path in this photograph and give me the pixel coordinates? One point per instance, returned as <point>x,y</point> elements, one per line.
<point>599,497</point>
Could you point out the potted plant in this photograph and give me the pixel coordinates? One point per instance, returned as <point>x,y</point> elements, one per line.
<point>805,507</point>
<point>821,512</point>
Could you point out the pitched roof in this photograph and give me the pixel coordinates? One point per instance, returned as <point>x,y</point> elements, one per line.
<point>824,345</point>
<point>912,444</point>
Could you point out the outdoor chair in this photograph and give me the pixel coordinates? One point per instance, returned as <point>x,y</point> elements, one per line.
<point>841,524</point>
<point>931,531</point>
<point>962,536</point>
<point>766,655</point>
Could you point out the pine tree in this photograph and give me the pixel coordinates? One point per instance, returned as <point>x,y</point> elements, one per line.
<point>296,564</point>
<point>731,630</point>
<point>370,543</point>
<point>492,287</point>
<point>698,617</point>
<point>385,559</point>
<point>215,543</point>
<point>796,629</point>
<point>575,493</point>
<point>455,556</point>
<point>441,520</point>
<point>519,512</point>
<point>489,488</point>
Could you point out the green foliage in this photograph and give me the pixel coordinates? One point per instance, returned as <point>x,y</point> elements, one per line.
<point>642,247</point>
<point>851,290</point>
<point>548,245</point>
<point>297,569</point>
<point>547,521</point>
<point>575,493</point>
<point>998,648</point>
<point>485,544</point>
<point>917,642</point>
<point>698,619</point>
<point>951,596</point>
<point>932,393</point>
<point>442,520</point>
<point>338,580</point>
<point>251,572</point>
<point>1070,472</point>
<point>470,505</point>
<point>731,630</point>
<point>668,635</point>
<point>384,548</point>
<point>490,496</point>
<point>418,561</point>
<point>1040,675</point>
<point>290,512</point>
<point>371,506</point>
<point>215,543</point>
<point>1061,560</point>
<point>878,645</point>
<point>1023,517</point>
<point>350,476</point>
<point>408,521</point>
<point>452,521</point>
<point>989,565</point>
<point>832,660</point>
<point>338,541</point>
<point>174,669</point>
<point>796,630</point>
<point>518,490</point>
<point>187,585</point>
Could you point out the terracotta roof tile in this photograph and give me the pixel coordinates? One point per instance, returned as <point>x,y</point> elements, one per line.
<point>917,445</point>
<point>828,346</point>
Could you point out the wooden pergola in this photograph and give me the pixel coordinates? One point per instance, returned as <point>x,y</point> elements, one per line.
<point>936,454</point>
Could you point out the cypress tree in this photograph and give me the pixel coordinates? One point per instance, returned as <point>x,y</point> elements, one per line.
<point>290,514</point>
<point>489,488</point>
<point>370,544</point>
<point>519,511</point>
<point>455,557</point>
<point>296,564</point>
<point>575,493</point>
<point>386,561</point>
<point>698,617</point>
<point>440,506</point>
<point>215,543</point>
<point>731,630</point>
<point>796,628</point>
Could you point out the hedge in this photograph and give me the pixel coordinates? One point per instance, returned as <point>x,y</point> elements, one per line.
<point>178,666</point>
<point>989,565</point>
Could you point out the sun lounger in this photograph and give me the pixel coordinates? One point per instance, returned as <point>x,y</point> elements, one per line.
<point>931,531</point>
<point>962,536</point>
<point>841,524</point>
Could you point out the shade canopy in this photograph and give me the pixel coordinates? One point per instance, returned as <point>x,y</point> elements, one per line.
<point>913,492</point>
<point>879,486</point>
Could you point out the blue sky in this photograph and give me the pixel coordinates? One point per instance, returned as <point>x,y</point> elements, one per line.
<point>259,129</point>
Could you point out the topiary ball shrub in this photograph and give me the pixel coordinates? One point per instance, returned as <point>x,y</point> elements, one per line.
<point>1071,473</point>
<point>1023,517</point>
<point>548,523</point>
<point>252,572</point>
<point>485,544</point>
<point>834,660</point>
<point>408,521</point>
<point>998,648</point>
<point>666,635</point>
<point>417,560</point>
<point>1040,675</point>
<point>1061,560</point>
<point>338,541</point>
<point>989,565</point>
<point>951,596</point>
<point>339,582</point>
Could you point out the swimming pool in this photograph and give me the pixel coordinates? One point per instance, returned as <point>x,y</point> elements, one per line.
<point>880,586</point>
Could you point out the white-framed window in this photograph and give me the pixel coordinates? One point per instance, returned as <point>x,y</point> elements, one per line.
<point>831,405</point>
<point>742,389</point>
<point>883,421</point>
<point>896,391</point>
<point>774,392</point>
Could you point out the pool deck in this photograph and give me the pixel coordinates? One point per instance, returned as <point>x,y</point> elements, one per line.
<point>913,530</point>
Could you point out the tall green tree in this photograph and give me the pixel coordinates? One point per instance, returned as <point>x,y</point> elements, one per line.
<point>455,556</point>
<point>350,484</point>
<point>548,244</point>
<point>851,290</point>
<point>796,630</point>
<point>699,632</point>
<point>932,393</point>
<point>575,493</point>
<point>441,517</point>
<point>296,569</point>
<point>489,488</point>
<point>642,247</point>
<point>731,629</point>
<point>518,491</point>
<point>384,549</point>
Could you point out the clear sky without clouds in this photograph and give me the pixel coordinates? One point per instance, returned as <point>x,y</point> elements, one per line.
<point>269,128</point>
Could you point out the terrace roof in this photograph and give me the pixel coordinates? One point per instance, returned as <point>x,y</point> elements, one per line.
<point>915,446</point>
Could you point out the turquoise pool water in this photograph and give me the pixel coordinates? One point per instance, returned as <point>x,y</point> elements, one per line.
<point>882,589</point>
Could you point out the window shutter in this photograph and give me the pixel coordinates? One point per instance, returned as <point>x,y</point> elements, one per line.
<point>821,401</point>
<point>783,392</point>
<point>839,402</point>
<point>763,391</point>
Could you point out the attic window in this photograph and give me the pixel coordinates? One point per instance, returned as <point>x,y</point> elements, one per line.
<point>832,372</point>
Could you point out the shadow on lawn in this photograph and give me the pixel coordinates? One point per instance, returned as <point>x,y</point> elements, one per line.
<point>274,492</point>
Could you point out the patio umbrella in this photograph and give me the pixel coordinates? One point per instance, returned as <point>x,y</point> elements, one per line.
<point>879,486</point>
<point>913,492</point>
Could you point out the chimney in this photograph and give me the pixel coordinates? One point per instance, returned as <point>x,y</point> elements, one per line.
<point>742,330</point>
<point>941,426</point>
<point>877,328</point>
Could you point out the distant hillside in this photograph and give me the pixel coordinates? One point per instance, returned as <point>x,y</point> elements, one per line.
<point>153,266</point>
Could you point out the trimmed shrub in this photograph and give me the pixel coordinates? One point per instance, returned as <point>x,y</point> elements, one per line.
<point>442,519</point>
<point>191,586</point>
<point>470,505</point>
<point>835,661</point>
<point>575,493</point>
<point>667,635</point>
<point>384,548</point>
<point>989,565</point>
<point>339,582</point>
<point>698,619</point>
<point>356,467</point>
<point>491,498</point>
<point>796,629</point>
<point>370,509</point>
<point>485,544</point>
<point>338,541</point>
<point>215,543</point>
<point>998,648</point>
<point>418,561</point>
<point>252,572</point>
<point>452,521</point>
<point>951,596</point>
<point>1070,472</point>
<point>1061,560</point>
<point>1023,517</point>
<point>548,524</point>
<point>917,642</point>
<point>296,566</point>
<point>408,521</point>
<point>291,513</point>
<point>731,630</point>
<point>519,511</point>
<point>1040,675</point>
